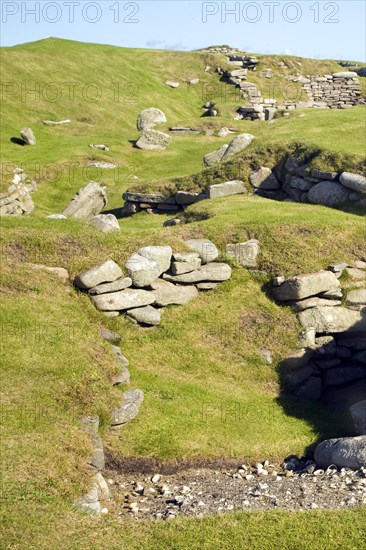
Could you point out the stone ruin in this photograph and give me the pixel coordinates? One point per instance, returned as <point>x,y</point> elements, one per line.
<point>17,200</point>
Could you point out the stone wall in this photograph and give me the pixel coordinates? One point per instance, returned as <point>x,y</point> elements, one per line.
<point>330,365</point>
<point>294,182</point>
<point>337,91</point>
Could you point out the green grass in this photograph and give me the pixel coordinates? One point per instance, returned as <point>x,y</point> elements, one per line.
<point>208,393</point>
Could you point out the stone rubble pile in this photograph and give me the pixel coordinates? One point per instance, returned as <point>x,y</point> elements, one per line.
<point>17,200</point>
<point>155,279</point>
<point>331,364</point>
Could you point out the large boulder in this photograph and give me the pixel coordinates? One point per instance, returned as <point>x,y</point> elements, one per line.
<point>153,140</point>
<point>216,156</point>
<point>328,193</point>
<point>147,315</point>
<point>129,408</point>
<point>346,452</point>
<point>28,136</point>
<point>205,248</point>
<point>263,178</point>
<point>142,270</point>
<point>356,298</point>
<point>233,187</point>
<point>358,413</point>
<point>148,118</point>
<point>356,182</point>
<point>238,144</point>
<point>303,286</point>
<point>213,272</point>
<point>105,222</point>
<point>123,299</point>
<point>106,272</point>
<point>333,319</point>
<point>162,255</point>
<point>168,294</point>
<point>245,253</point>
<point>87,202</point>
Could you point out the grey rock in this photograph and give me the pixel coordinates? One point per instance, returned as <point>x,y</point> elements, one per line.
<point>314,301</point>
<point>191,262</point>
<point>142,270</point>
<point>263,178</point>
<point>123,300</point>
<point>245,253</point>
<point>160,254</point>
<point>89,503</point>
<point>168,294</point>
<point>321,175</point>
<point>97,460</point>
<point>172,83</point>
<point>102,164</point>
<point>57,217</point>
<point>356,298</point>
<point>87,202</point>
<point>153,140</point>
<point>360,357</point>
<point>205,248</point>
<point>129,408</point>
<point>346,452</point>
<point>356,182</point>
<point>144,197</point>
<point>346,74</point>
<point>28,136</point>
<point>358,413</point>
<point>328,193</point>
<point>212,272</point>
<point>303,286</point>
<point>118,284</point>
<point>145,315</point>
<point>105,222</point>
<point>329,320</point>
<point>233,187</point>
<point>109,335</point>
<point>298,358</point>
<point>118,353</point>
<point>148,118</point>
<point>300,183</point>
<point>223,132</point>
<point>238,144</point>
<point>106,272</point>
<point>216,156</point>
<point>299,375</point>
<point>103,489</point>
<point>90,424</point>
<point>206,286</point>
<point>122,377</point>
<point>184,198</point>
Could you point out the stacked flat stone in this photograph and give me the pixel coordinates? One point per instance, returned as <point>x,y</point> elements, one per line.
<point>155,279</point>
<point>337,91</point>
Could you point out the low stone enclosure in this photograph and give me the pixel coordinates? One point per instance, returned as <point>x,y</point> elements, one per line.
<point>17,200</point>
<point>293,181</point>
<point>329,365</point>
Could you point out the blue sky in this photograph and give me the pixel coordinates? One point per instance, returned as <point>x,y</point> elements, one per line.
<point>304,28</point>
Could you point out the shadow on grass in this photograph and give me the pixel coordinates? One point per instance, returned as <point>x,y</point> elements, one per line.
<point>18,141</point>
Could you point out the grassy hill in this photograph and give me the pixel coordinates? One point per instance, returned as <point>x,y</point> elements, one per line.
<point>205,356</point>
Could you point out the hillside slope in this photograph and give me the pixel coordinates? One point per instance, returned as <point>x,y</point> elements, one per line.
<point>205,357</point>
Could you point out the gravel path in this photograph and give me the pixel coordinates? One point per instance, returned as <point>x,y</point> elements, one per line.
<point>297,485</point>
